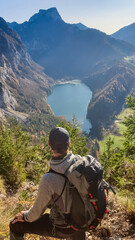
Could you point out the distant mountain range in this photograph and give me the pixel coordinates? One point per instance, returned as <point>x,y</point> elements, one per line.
<point>23,84</point>
<point>126,33</point>
<point>65,50</point>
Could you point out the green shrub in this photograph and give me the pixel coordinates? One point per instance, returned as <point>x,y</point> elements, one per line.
<point>119,163</point>
<point>26,157</point>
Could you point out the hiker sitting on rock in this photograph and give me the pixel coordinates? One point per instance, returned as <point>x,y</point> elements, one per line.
<point>65,190</point>
<point>51,185</point>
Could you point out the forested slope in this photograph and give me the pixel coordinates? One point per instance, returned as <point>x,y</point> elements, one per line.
<point>28,157</point>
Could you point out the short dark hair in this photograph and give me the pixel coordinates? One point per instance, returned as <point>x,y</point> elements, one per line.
<point>59,139</point>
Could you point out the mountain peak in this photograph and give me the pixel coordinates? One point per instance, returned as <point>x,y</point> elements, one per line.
<point>51,12</point>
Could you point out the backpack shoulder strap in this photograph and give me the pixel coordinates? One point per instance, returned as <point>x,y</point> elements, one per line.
<point>52,171</point>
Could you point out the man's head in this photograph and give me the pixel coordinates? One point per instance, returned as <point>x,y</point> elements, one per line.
<point>59,140</point>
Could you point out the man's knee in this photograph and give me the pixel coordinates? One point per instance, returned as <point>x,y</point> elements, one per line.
<point>16,227</point>
<point>11,226</point>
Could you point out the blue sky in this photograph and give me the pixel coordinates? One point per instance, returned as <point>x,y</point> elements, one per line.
<point>105,15</point>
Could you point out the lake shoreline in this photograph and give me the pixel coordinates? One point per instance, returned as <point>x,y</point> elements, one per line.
<point>62,82</point>
<point>74,81</point>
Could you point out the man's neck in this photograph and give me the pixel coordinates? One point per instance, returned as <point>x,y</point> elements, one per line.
<point>58,155</point>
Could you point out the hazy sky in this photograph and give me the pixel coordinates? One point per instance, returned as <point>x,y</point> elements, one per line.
<point>105,15</point>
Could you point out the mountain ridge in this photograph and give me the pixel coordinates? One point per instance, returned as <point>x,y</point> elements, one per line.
<point>62,48</point>
<point>113,85</point>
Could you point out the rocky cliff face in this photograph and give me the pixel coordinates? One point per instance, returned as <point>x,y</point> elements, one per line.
<point>23,84</point>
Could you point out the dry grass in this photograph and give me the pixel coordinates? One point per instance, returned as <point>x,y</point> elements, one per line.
<point>8,207</point>
<point>2,186</point>
<point>6,213</point>
<point>127,202</point>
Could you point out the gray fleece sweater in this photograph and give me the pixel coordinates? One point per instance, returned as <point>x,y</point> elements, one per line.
<point>50,187</point>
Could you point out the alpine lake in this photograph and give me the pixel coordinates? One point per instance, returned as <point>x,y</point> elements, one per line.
<point>71,99</point>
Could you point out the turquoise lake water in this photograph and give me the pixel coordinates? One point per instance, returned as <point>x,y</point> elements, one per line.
<point>70,99</point>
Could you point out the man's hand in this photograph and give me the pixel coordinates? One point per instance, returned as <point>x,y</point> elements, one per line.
<point>19,217</point>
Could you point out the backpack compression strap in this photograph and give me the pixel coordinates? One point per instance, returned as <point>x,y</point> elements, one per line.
<point>52,171</point>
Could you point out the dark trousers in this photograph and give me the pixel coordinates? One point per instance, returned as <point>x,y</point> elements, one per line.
<point>43,227</point>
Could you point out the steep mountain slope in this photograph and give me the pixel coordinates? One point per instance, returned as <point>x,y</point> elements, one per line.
<point>23,84</point>
<point>110,88</point>
<point>126,33</point>
<point>65,50</point>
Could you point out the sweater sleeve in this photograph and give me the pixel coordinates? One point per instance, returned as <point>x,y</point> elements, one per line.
<point>43,198</point>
